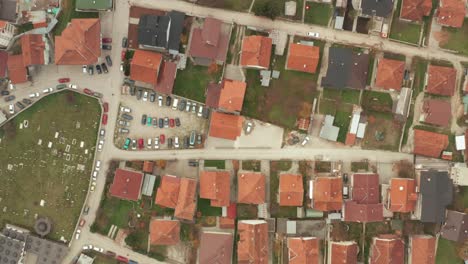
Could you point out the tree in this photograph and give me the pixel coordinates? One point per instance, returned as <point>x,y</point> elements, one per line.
<point>267,8</point>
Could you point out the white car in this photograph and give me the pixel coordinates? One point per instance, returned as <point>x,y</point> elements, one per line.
<point>102,132</point>
<point>121,67</point>
<point>187,106</point>
<point>78,233</point>
<point>125,109</point>
<point>98,165</point>
<point>134,143</point>
<point>249,127</point>
<point>194,107</point>
<point>47,90</point>
<point>313,34</point>
<point>124,123</point>
<point>87,247</point>
<point>85,69</point>
<point>93,183</point>
<point>34,95</point>
<point>98,249</point>
<point>145,96</point>
<point>73,86</point>
<point>100,145</point>
<point>176,142</point>
<point>306,139</point>
<point>200,111</point>
<point>11,109</point>
<point>150,142</point>
<point>160,100</point>
<point>95,174</point>
<point>92,188</point>
<point>156,143</point>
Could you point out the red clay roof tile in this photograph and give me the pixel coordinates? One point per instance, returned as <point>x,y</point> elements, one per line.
<point>451,13</point>
<point>3,63</point>
<point>148,166</point>
<point>225,125</point>
<point>231,96</point>
<point>437,112</point>
<point>251,188</point>
<point>215,247</point>
<point>126,184</point>
<point>209,42</point>
<point>256,52</point>
<point>168,191</point>
<point>441,80</point>
<point>344,252</point>
<point>362,213</point>
<point>328,193</point>
<point>422,249</point>
<point>33,47</point>
<point>252,246</point>
<point>164,232</point>
<point>303,58</point>
<point>365,188</point>
<point>216,185</point>
<point>186,202</point>
<point>17,72</point>
<point>429,144</point>
<point>415,10</point>
<point>145,66</point>
<point>303,250</point>
<point>390,74</point>
<point>166,76</point>
<point>291,190</point>
<point>387,249</point>
<point>403,195</point>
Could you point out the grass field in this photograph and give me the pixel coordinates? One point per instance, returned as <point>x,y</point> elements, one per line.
<point>447,253</point>
<point>384,126</point>
<point>251,165</point>
<point>236,5</point>
<point>283,101</point>
<point>318,13</point>
<point>349,96</point>
<point>457,38</point>
<point>58,175</point>
<point>191,83</point>
<point>203,206</point>
<point>219,164</point>
<point>377,101</point>
<point>67,13</point>
<point>403,30</point>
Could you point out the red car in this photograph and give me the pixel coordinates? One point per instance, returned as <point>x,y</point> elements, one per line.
<point>105,106</point>
<point>88,91</point>
<point>123,259</point>
<point>106,40</point>
<point>104,119</point>
<point>141,143</point>
<point>64,80</point>
<point>122,55</point>
<point>162,139</point>
<point>171,122</point>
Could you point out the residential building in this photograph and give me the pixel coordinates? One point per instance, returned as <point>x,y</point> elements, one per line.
<point>94,6</point>
<point>429,144</point>
<point>161,33</point>
<point>342,252</point>
<point>415,10</point>
<point>436,191</point>
<point>403,103</point>
<point>209,44</point>
<point>7,31</point>
<point>451,13</point>
<point>166,77</point>
<point>215,247</point>
<point>304,58</point>
<point>303,250</point>
<point>164,232</point>
<point>145,66</point>
<point>403,195</point>
<point>225,126</point>
<point>436,112</point>
<point>455,227</point>
<point>186,202</point>
<point>328,130</point>
<point>441,80</point>
<point>148,166</point>
<point>251,188</point>
<point>422,249</point>
<point>381,8</point>
<point>362,213</point>
<point>216,186</point>
<point>227,96</point>
<point>168,191</point>
<point>327,193</point>
<point>126,185</point>
<point>3,63</point>
<point>387,248</point>
<point>34,49</point>
<point>148,185</point>
<point>291,190</point>
<point>17,72</point>
<point>390,74</point>
<point>80,42</point>
<point>252,246</point>
<point>346,69</point>
<point>256,52</point>
<point>8,10</point>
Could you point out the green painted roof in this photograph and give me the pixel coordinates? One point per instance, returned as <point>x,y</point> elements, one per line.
<point>94,4</point>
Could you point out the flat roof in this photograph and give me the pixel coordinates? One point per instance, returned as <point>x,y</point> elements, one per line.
<point>94,4</point>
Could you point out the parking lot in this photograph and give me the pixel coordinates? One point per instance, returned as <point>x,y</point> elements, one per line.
<point>189,121</point>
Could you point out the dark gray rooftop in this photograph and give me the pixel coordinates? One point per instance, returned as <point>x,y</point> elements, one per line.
<point>161,32</point>
<point>380,8</point>
<point>177,26</point>
<point>11,250</point>
<point>8,10</point>
<point>455,227</point>
<point>436,195</point>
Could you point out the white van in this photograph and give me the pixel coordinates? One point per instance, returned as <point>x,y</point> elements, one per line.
<point>175,104</point>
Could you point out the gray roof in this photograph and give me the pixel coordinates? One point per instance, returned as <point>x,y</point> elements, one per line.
<point>346,69</point>
<point>455,227</point>
<point>11,250</point>
<point>8,10</point>
<point>436,195</point>
<point>177,26</point>
<point>148,185</point>
<point>329,131</point>
<point>380,8</point>
<point>161,31</point>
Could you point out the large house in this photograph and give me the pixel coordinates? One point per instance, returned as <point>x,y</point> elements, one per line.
<point>436,112</point>
<point>251,188</point>
<point>436,191</point>
<point>216,186</point>
<point>164,232</point>
<point>342,252</point>
<point>422,249</point>
<point>127,185</point>
<point>304,58</point>
<point>451,13</point>
<point>390,74</point>
<point>215,247</point>
<point>415,10</point>
<point>228,96</point>
<point>303,250</point>
<point>256,52</point>
<point>429,144</point>
<point>403,196</point>
<point>387,249</point>
<point>291,190</point>
<point>225,126</point>
<point>252,246</point>
<point>455,227</point>
<point>186,201</point>
<point>382,8</point>
<point>441,80</point>
<point>327,194</point>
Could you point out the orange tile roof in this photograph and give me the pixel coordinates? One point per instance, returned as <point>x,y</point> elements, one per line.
<point>145,66</point>
<point>437,112</point>
<point>451,13</point>
<point>164,232</point>
<point>225,125</point>
<point>350,139</point>
<point>231,96</point>
<point>390,74</point>
<point>303,250</point>
<point>303,58</point>
<point>186,203</point>
<point>168,191</point>
<point>256,51</point>
<point>215,247</point>
<point>344,252</point>
<point>79,43</point>
<point>252,246</point>
<point>3,23</point>
<point>403,195</point>
<point>226,223</point>
<point>362,213</point>
<point>250,188</point>
<point>328,193</point>
<point>387,249</point>
<point>414,10</point>
<point>429,144</point>
<point>17,72</point>
<point>148,166</point>
<point>441,80</point>
<point>291,190</point>
<point>127,184</point>
<point>33,47</point>
<point>216,185</point>
<point>422,249</point>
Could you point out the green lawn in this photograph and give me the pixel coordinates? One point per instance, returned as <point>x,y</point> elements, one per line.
<point>458,38</point>
<point>377,101</point>
<point>192,82</point>
<point>349,96</point>
<point>342,120</point>
<point>359,165</point>
<point>67,13</point>
<point>219,164</point>
<point>447,253</point>
<point>59,175</point>
<point>203,206</point>
<point>251,165</point>
<point>403,30</point>
<point>276,167</point>
<point>318,13</point>
<point>236,5</point>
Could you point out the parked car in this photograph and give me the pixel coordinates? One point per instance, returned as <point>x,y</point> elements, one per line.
<point>145,96</point>
<point>141,143</point>
<point>139,94</point>
<point>199,139</point>
<point>134,144</point>
<point>106,40</point>
<point>47,90</point>
<point>124,130</point>
<point>149,143</point>
<point>169,142</point>
<point>10,98</point>
<point>345,192</point>
<point>194,107</point>
<point>61,86</point>
<point>161,123</point>
<point>187,108</point>
<point>122,259</point>
<point>64,80</point>
<point>127,117</point>
<point>200,111</point>
<point>193,163</point>
<point>152,97</point>
<point>82,222</point>
<point>249,127</point>
<point>109,60</point>
<point>34,95</point>
<point>182,105</point>
<point>125,109</point>
<point>177,121</point>
<point>73,86</point>
<point>124,42</point>
<point>11,109</point>
<point>176,142</point>
<point>104,67</point>
<point>168,101</point>
<point>143,119</point>
<point>122,54</point>
<point>193,137</point>
<point>91,69</point>
<point>98,69</point>
<point>206,112</point>
<point>345,177</point>
<point>104,119</point>
<point>162,138</point>
<point>87,91</point>
<point>156,142</point>
<point>304,141</point>
<point>126,143</point>
<point>124,123</point>
<point>171,122</point>
<point>85,69</point>
<point>132,90</point>
<point>155,122</point>
<point>166,122</point>
<point>98,95</point>
<point>149,121</point>
<point>5,92</point>
<point>106,47</point>
<point>160,100</point>
<point>186,142</point>
<point>313,34</point>
<point>77,234</point>
<point>110,254</point>
<point>27,101</point>
<point>102,132</point>
<point>86,210</point>
<point>105,107</point>
<point>19,105</point>
<point>175,104</point>
<point>98,249</point>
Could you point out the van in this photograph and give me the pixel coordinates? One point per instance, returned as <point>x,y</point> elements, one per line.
<point>175,103</point>
<point>193,136</point>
